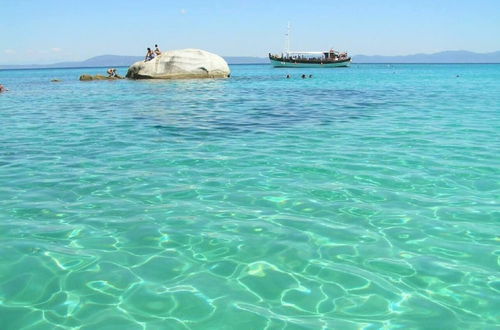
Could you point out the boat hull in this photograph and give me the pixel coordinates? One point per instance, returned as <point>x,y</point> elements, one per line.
<point>293,64</point>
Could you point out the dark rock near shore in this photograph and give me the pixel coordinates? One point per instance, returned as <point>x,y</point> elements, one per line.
<point>88,77</point>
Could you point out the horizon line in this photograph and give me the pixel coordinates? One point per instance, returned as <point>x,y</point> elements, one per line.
<point>265,57</point>
<point>362,63</point>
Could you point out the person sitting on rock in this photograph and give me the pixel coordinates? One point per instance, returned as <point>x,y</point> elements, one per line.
<point>111,73</point>
<point>157,50</point>
<point>149,55</point>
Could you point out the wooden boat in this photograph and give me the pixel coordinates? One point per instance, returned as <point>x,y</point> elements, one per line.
<point>329,59</point>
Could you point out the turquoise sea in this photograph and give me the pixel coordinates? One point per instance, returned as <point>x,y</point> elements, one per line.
<point>361,198</point>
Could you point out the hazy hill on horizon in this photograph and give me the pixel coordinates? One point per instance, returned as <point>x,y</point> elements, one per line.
<point>457,56</point>
<point>450,56</point>
<point>121,60</point>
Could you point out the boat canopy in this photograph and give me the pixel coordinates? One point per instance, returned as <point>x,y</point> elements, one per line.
<point>313,53</point>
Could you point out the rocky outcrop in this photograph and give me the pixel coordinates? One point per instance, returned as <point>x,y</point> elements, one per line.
<point>181,64</point>
<point>88,77</point>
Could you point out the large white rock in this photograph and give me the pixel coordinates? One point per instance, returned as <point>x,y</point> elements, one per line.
<point>182,63</point>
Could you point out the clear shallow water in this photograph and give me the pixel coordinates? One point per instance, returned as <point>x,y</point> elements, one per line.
<point>365,197</point>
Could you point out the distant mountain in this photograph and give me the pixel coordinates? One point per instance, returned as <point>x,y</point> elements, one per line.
<point>117,60</point>
<point>103,60</point>
<point>458,56</point>
<point>97,61</point>
<point>246,60</point>
<point>454,56</point>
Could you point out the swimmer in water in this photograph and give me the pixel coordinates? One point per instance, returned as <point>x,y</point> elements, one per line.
<point>2,89</point>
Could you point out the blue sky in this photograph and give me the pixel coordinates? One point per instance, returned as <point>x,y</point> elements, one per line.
<point>36,31</point>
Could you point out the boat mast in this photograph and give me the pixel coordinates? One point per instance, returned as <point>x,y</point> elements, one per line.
<point>287,40</point>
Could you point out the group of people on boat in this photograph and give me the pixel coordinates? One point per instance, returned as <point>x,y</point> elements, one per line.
<point>328,56</point>
<point>336,56</point>
<point>150,54</point>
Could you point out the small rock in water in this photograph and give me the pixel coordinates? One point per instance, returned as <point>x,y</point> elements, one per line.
<point>88,77</point>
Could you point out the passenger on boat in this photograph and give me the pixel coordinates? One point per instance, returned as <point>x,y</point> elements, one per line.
<point>149,55</point>
<point>157,50</point>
